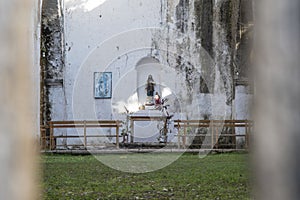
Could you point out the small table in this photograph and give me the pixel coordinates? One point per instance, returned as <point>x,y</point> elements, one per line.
<point>144,116</point>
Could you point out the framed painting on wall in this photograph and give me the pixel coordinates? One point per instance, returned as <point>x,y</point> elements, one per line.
<point>102,85</point>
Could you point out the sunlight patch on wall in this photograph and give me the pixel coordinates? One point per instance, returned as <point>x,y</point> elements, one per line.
<point>86,5</point>
<point>131,105</point>
<point>166,92</point>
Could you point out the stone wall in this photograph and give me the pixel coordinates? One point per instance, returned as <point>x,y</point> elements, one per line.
<point>52,61</point>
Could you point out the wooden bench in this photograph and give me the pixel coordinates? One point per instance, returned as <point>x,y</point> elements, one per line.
<point>85,124</point>
<point>214,126</point>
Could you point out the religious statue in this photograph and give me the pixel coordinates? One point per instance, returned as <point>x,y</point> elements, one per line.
<point>150,90</point>
<point>150,86</point>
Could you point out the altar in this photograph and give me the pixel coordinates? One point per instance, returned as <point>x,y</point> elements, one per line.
<point>146,124</point>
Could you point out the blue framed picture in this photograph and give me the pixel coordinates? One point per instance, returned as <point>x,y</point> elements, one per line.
<point>102,85</point>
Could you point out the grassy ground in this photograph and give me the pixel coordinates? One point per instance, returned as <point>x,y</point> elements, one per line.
<point>219,176</point>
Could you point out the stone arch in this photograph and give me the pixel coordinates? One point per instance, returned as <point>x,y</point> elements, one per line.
<point>146,60</point>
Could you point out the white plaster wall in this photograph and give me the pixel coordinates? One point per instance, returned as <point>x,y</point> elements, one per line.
<point>100,40</point>
<point>243,105</point>
<point>243,102</point>
<point>99,35</point>
<point>57,102</point>
<point>113,36</point>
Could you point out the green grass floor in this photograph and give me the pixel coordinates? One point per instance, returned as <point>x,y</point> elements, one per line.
<point>217,176</point>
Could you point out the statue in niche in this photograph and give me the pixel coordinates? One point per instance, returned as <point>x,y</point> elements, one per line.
<point>150,90</point>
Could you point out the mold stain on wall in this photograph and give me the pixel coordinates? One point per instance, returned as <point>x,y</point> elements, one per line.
<point>52,54</point>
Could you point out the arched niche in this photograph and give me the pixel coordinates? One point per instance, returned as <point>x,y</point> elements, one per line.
<point>145,67</point>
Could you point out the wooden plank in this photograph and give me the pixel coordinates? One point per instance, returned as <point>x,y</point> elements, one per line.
<point>189,124</point>
<point>87,122</point>
<point>67,136</point>
<point>117,136</point>
<point>209,135</point>
<point>217,136</point>
<point>88,126</point>
<point>84,133</point>
<point>178,138</point>
<point>192,121</point>
<point>184,137</point>
<point>212,137</point>
<point>194,125</point>
<point>247,136</point>
<point>51,137</point>
<point>208,125</point>
<point>132,131</point>
<point>82,136</point>
<point>147,118</point>
<point>209,121</point>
